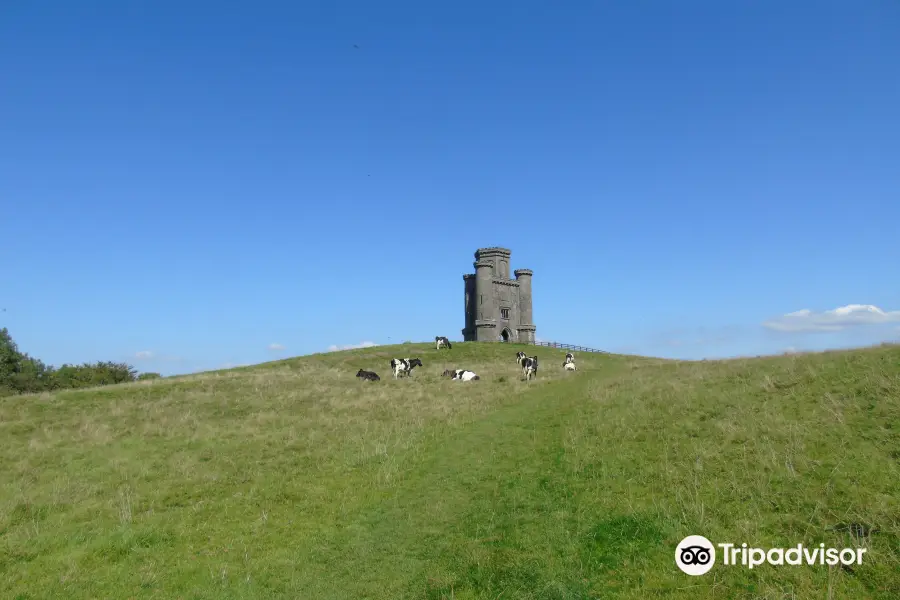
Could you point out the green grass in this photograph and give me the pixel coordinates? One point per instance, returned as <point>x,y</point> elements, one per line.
<point>295,479</point>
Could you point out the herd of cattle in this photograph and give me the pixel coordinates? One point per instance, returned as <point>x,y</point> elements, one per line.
<point>401,367</point>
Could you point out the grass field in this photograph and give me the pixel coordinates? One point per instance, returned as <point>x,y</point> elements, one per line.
<point>295,479</point>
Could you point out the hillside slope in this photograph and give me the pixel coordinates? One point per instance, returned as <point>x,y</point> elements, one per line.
<point>296,479</point>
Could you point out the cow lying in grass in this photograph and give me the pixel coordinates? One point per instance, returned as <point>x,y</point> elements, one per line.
<point>404,366</point>
<point>461,375</point>
<point>368,375</point>
<point>570,366</point>
<point>570,358</point>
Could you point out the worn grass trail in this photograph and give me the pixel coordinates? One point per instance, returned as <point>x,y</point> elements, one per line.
<point>459,501</point>
<point>294,479</point>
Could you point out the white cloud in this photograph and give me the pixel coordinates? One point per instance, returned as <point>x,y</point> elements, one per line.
<point>276,347</point>
<point>335,348</point>
<point>790,350</point>
<point>151,356</point>
<point>852,315</point>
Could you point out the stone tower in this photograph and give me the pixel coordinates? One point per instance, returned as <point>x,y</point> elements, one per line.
<point>497,307</point>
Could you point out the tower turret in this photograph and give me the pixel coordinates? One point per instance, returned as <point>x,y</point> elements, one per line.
<point>526,324</point>
<point>484,296</point>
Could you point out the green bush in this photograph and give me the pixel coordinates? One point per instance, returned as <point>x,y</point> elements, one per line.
<point>23,374</point>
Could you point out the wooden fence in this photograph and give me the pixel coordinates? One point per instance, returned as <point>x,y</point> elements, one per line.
<point>558,345</point>
<point>567,347</point>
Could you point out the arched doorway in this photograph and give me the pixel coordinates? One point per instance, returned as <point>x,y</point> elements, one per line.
<point>504,335</point>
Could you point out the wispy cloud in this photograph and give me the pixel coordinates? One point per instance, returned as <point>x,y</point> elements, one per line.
<point>838,319</point>
<point>276,347</point>
<point>335,347</point>
<point>151,356</point>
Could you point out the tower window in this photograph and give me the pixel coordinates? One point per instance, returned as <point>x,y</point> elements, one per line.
<point>504,313</point>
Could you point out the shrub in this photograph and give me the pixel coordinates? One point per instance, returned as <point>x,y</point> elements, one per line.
<point>22,374</point>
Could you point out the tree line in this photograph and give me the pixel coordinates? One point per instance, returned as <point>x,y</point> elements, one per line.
<point>24,374</point>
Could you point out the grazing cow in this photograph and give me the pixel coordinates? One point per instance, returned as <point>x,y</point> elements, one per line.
<point>570,366</point>
<point>529,367</point>
<point>368,375</point>
<point>519,357</point>
<point>570,358</point>
<point>461,375</point>
<point>404,366</point>
<point>440,340</point>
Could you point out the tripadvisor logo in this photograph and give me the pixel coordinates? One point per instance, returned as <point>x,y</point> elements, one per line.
<point>696,555</point>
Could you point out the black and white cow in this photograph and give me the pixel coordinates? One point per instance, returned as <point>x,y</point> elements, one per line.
<point>440,341</point>
<point>570,358</point>
<point>519,357</point>
<point>570,366</point>
<point>404,366</point>
<point>368,375</point>
<point>529,367</point>
<point>461,375</point>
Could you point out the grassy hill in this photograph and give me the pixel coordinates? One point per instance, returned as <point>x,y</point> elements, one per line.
<point>296,479</point>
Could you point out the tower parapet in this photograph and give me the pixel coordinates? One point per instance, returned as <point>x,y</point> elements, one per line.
<point>499,257</point>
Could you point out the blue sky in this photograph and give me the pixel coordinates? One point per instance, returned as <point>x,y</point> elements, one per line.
<point>184,184</point>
